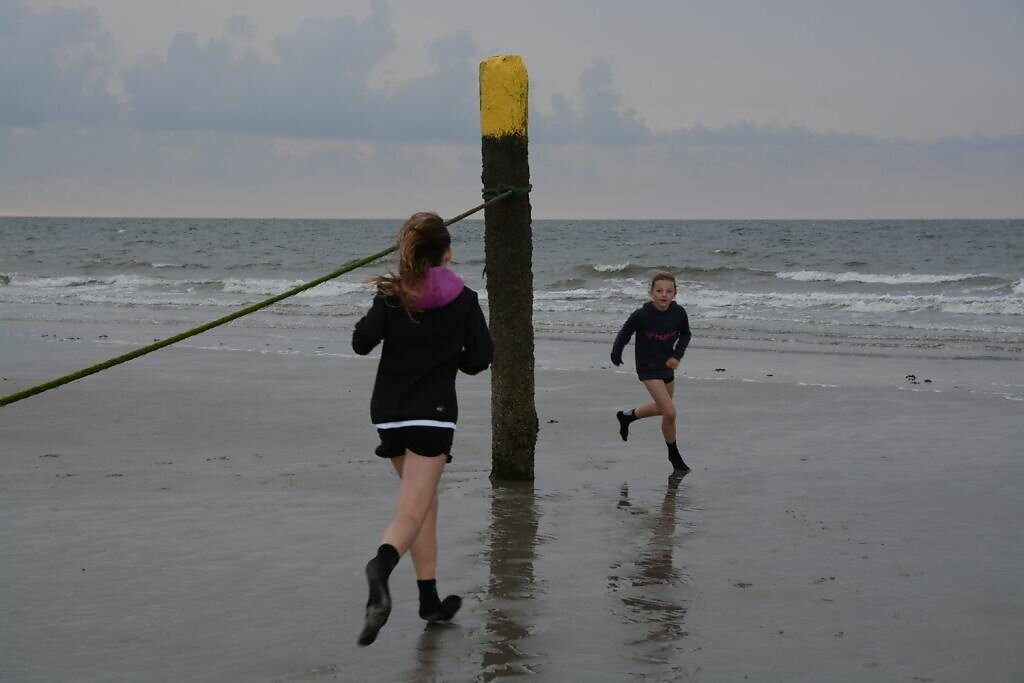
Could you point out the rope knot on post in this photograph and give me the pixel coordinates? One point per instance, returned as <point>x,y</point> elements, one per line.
<point>503,189</point>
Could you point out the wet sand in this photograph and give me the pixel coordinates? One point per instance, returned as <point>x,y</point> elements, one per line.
<point>200,515</point>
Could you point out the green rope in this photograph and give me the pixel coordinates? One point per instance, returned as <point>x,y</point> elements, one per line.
<point>351,265</point>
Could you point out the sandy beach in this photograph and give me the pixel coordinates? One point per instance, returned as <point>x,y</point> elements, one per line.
<point>203,514</point>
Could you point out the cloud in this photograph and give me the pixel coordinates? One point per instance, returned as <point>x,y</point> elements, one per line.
<point>241,26</point>
<point>319,86</point>
<point>603,119</point>
<point>56,170</point>
<point>209,128</point>
<point>56,66</point>
<point>53,66</point>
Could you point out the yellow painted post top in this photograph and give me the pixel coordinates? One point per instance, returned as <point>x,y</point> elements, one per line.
<point>504,88</point>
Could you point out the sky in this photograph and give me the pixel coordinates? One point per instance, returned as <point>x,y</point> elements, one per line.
<point>654,109</point>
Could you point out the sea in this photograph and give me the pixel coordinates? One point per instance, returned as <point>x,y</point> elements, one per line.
<point>953,288</point>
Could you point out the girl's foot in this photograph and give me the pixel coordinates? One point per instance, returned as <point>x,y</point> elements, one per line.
<point>677,463</point>
<point>676,459</point>
<point>442,611</point>
<point>624,420</point>
<point>432,608</point>
<point>378,605</point>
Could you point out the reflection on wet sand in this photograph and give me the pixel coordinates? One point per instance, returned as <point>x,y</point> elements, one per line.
<point>511,551</point>
<point>652,591</point>
<point>430,652</point>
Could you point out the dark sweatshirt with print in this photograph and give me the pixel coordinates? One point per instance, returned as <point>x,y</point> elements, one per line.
<point>659,336</point>
<point>422,354</point>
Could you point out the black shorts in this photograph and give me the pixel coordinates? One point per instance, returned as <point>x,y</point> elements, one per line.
<point>666,380</point>
<point>429,442</point>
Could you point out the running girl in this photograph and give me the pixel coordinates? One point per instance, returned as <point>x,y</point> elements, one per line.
<point>662,331</point>
<point>432,327</point>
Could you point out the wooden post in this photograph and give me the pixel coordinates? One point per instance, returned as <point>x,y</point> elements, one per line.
<point>508,253</point>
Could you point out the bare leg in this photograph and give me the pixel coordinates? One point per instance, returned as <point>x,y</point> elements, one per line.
<point>661,405</point>
<point>417,496</point>
<point>424,547</point>
<point>424,559</point>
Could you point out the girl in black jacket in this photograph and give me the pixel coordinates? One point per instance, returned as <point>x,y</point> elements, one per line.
<point>662,331</point>
<point>432,327</point>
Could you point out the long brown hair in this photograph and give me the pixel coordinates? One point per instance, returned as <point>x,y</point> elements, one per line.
<point>422,242</point>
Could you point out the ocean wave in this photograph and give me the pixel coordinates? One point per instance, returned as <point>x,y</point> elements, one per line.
<point>130,289</point>
<point>621,293</point>
<point>627,269</point>
<point>122,280</point>
<point>102,264</point>
<point>182,266</point>
<point>620,290</point>
<point>272,286</point>
<point>628,293</point>
<point>857,302</point>
<point>1018,287</point>
<point>570,283</point>
<point>682,274</point>
<point>875,278</point>
<point>612,268</point>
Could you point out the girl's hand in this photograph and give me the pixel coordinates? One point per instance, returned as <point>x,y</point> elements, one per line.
<point>672,363</point>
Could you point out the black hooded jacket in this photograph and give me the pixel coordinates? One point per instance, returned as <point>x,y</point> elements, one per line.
<point>421,356</point>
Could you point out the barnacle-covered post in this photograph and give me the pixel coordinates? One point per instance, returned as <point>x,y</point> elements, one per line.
<point>508,251</point>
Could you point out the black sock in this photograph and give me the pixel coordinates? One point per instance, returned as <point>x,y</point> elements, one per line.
<point>387,557</point>
<point>675,458</point>
<point>625,417</point>
<point>432,607</point>
<point>378,605</point>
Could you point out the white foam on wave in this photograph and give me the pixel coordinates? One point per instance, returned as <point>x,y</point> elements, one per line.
<point>151,298</point>
<point>1018,287</point>
<point>591,294</point>
<point>874,278</point>
<point>273,286</point>
<point>619,294</point>
<point>983,306</point>
<point>124,281</point>
<point>611,268</point>
<point>858,302</point>
<point>712,302</point>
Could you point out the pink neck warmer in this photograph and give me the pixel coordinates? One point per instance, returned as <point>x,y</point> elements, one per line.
<point>439,288</point>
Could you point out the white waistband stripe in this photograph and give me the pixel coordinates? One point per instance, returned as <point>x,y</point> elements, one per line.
<point>415,423</point>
